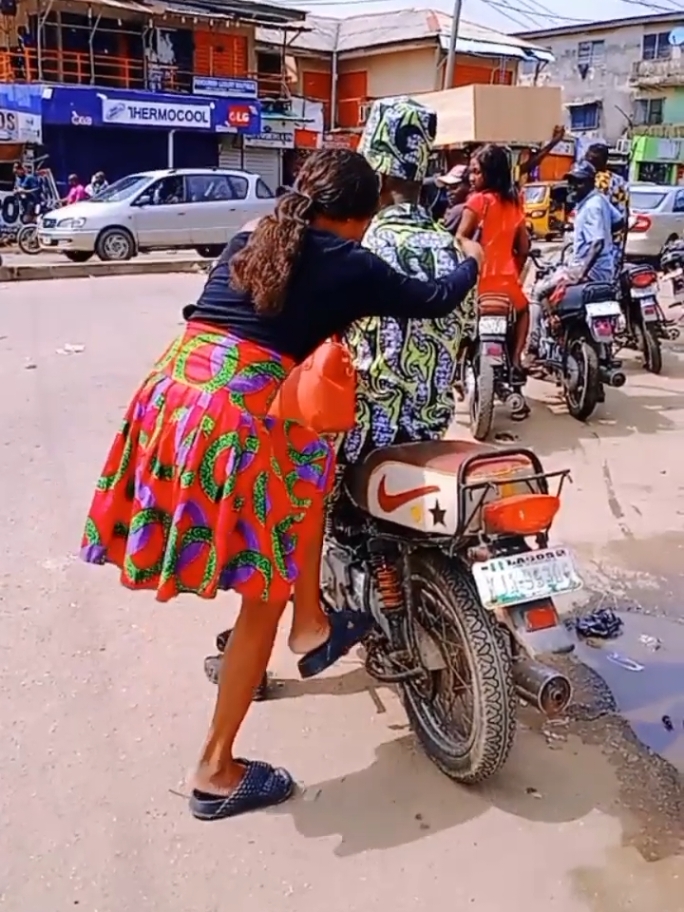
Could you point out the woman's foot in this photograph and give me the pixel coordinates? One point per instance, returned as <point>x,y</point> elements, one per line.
<point>347,628</point>
<point>260,786</point>
<point>304,639</point>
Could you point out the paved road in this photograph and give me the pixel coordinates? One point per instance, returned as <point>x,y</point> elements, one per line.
<point>104,702</point>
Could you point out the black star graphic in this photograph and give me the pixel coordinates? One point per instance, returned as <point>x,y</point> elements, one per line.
<point>438,514</point>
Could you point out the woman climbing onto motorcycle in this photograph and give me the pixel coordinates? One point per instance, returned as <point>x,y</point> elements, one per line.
<point>202,491</point>
<point>493,212</point>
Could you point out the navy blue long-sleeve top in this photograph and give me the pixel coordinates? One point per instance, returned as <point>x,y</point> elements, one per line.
<point>335,283</point>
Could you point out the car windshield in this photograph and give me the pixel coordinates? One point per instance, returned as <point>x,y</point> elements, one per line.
<point>645,199</point>
<point>534,194</point>
<point>122,189</point>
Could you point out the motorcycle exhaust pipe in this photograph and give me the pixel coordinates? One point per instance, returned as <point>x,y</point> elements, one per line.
<point>614,378</point>
<point>542,687</point>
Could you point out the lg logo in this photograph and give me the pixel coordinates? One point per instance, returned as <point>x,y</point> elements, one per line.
<point>239,116</point>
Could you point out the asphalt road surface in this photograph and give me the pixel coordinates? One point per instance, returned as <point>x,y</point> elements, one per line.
<point>105,704</point>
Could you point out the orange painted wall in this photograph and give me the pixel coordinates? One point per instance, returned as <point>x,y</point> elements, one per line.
<point>352,89</point>
<point>221,54</point>
<point>472,74</point>
<point>318,87</point>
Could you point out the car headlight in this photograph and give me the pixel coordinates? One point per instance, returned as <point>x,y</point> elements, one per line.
<point>71,223</point>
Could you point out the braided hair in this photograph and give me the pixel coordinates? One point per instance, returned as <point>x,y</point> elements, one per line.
<point>336,184</point>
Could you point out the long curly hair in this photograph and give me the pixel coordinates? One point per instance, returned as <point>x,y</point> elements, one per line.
<point>335,183</point>
<point>495,166</point>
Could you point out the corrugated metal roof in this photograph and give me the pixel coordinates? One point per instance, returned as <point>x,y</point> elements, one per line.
<point>397,26</point>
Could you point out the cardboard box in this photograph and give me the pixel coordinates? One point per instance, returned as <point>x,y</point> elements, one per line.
<point>515,115</point>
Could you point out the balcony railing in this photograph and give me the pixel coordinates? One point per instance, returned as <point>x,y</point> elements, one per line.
<point>108,71</point>
<point>658,72</point>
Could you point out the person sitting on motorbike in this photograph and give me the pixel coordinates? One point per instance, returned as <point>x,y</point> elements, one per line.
<point>596,221</point>
<point>27,190</point>
<point>616,189</point>
<point>405,368</point>
<point>494,212</point>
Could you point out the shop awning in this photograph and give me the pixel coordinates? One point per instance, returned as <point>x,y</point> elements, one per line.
<point>495,49</point>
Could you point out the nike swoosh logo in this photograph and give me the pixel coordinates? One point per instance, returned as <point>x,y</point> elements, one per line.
<point>391,502</point>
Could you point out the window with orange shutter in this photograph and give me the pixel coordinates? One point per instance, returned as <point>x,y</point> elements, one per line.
<point>220,54</point>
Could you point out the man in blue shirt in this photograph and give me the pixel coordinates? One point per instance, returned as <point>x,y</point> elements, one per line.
<point>596,220</point>
<point>27,189</point>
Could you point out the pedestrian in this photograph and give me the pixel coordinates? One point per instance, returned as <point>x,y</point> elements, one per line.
<point>27,191</point>
<point>98,183</point>
<point>457,184</point>
<point>77,192</point>
<point>202,491</point>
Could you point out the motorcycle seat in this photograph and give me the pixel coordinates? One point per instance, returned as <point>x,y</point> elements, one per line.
<point>415,484</point>
<point>494,305</point>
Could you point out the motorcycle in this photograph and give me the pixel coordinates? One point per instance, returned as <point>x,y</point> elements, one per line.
<point>446,545</point>
<point>485,371</point>
<point>643,323</point>
<point>27,236</point>
<point>672,268</point>
<point>577,334</point>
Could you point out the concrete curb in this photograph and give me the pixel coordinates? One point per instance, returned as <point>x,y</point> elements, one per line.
<point>92,270</point>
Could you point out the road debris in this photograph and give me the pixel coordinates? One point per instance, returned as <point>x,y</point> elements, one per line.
<point>601,624</point>
<point>70,349</point>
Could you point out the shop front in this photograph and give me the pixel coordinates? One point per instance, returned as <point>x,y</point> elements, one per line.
<point>657,160</point>
<point>87,130</point>
<point>20,132</point>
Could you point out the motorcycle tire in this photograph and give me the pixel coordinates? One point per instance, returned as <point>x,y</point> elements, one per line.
<point>481,403</point>
<point>27,240</point>
<point>582,408</point>
<point>465,634</point>
<point>650,348</point>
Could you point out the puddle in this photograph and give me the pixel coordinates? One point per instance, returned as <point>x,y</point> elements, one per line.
<point>646,682</point>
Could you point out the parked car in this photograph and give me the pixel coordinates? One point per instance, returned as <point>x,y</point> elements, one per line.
<point>656,217</point>
<point>181,208</point>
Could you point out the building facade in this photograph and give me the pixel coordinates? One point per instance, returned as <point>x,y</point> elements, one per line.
<point>124,85</point>
<point>346,64</point>
<point>622,80</point>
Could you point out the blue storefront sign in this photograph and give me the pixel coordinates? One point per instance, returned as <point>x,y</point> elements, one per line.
<point>226,88</point>
<point>91,107</point>
<point>20,114</point>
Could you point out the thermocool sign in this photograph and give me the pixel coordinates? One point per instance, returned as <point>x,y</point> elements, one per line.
<point>156,114</point>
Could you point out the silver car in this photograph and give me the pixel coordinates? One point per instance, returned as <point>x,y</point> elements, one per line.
<point>656,217</point>
<point>200,208</point>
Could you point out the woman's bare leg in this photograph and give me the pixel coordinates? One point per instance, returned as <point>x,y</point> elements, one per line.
<point>244,664</point>
<point>522,326</point>
<point>310,626</point>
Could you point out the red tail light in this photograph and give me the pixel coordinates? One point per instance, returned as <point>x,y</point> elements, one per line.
<point>522,514</point>
<point>644,279</point>
<point>641,223</point>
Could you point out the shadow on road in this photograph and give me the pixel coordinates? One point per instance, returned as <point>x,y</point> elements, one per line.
<point>402,797</point>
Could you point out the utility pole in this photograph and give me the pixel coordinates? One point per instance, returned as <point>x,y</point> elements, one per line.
<point>451,56</point>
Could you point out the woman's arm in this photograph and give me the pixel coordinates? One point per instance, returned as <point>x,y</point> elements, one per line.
<point>521,246</point>
<point>473,213</point>
<point>376,289</point>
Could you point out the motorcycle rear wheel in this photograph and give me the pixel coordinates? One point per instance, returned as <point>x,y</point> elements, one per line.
<point>650,348</point>
<point>481,398</point>
<point>582,402</point>
<point>469,640</point>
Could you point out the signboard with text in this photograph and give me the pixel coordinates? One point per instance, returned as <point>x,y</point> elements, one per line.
<point>20,127</point>
<point>275,134</point>
<point>226,88</point>
<point>145,113</point>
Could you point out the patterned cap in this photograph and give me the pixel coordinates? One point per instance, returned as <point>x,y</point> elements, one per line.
<point>398,138</point>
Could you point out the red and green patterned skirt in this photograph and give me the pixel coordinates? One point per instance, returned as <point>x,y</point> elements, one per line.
<point>202,490</point>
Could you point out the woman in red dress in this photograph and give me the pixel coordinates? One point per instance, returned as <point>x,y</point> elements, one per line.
<point>494,210</point>
<point>203,490</point>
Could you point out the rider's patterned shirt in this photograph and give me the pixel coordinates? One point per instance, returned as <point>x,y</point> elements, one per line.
<point>405,368</point>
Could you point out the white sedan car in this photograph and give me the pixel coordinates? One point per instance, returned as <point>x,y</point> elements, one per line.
<point>181,208</point>
<point>656,217</point>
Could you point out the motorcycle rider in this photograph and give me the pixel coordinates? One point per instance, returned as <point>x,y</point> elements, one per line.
<point>405,368</point>
<point>593,259</point>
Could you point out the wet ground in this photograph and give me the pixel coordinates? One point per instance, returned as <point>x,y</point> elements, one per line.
<point>104,701</point>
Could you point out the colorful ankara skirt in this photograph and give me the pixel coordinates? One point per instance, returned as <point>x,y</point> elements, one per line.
<point>202,490</point>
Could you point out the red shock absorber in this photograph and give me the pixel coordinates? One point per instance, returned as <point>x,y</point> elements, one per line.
<point>388,581</point>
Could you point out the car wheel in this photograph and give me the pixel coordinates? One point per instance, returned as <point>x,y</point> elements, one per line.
<point>115,244</point>
<point>78,256</point>
<point>210,251</point>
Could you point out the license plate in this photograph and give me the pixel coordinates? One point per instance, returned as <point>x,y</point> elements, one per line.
<point>649,311</point>
<point>649,292</point>
<point>602,328</point>
<point>519,578</point>
<point>604,309</point>
<point>46,241</point>
<point>492,326</point>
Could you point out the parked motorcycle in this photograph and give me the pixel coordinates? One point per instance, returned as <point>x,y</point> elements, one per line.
<point>643,323</point>
<point>577,335</point>
<point>672,268</point>
<point>485,371</point>
<point>27,235</point>
<point>446,545</point>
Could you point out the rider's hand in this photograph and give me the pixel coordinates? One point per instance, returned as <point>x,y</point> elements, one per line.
<point>558,133</point>
<point>472,249</point>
